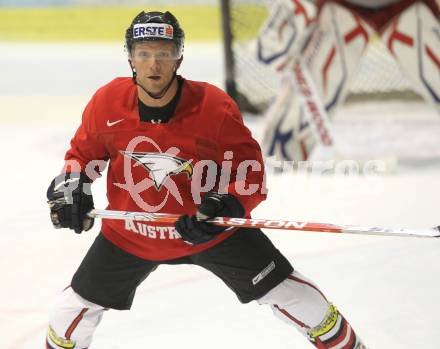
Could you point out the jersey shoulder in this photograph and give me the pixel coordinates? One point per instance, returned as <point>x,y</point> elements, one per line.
<point>116,100</point>
<point>215,102</point>
<point>208,90</point>
<point>119,86</point>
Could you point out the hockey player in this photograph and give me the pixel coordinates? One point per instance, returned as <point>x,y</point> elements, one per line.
<point>330,40</point>
<point>158,130</point>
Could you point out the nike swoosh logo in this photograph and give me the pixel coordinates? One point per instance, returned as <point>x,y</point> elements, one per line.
<point>112,123</point>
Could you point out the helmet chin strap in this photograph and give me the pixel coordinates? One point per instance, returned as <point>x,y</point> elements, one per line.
<point>161,93</point>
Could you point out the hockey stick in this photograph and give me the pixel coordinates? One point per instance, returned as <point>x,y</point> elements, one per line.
<point>272,224</point>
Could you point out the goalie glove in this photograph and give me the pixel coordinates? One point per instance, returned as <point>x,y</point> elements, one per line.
<point>70,199</point>
<point>195,230</point>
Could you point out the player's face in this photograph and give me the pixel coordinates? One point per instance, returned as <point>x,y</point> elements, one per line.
<point>155,63</point>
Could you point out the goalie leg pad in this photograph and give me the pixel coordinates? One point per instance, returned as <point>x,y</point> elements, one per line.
<point>72,321</point>
<point>331,57</point>
<point>287,135</point>
<point>413,38</point>
<point>300,303</point>
<point>334,52</point>
<point>284,32</point>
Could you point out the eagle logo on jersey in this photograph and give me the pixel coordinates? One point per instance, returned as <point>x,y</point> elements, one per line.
<point>161,165</point>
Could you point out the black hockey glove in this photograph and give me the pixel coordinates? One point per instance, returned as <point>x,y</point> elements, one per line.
<point>70,198</point>
<point>194,230</point>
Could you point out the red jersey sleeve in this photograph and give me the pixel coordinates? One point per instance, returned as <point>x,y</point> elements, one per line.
<point>247,179</point>
<point>86,145</point>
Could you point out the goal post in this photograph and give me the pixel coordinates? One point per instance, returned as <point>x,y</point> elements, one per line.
<point>227,49</point>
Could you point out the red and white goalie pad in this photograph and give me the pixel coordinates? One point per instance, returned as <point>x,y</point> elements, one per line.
<point>413,38</point>
<point>334,52</point>
<point>287,136</point>
<point>331,58</point>
<point>285,31</point>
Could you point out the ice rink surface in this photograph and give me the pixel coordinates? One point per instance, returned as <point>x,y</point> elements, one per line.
<point>388,288</point>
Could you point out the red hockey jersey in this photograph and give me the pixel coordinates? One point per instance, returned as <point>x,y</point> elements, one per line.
<point>166,167</point>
